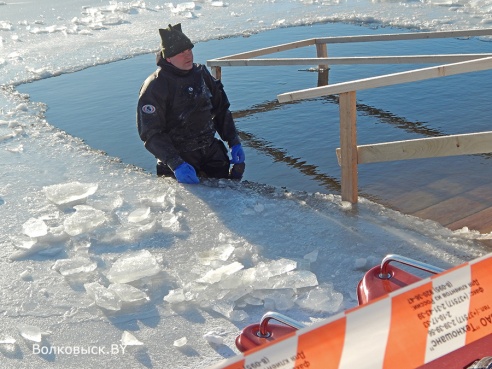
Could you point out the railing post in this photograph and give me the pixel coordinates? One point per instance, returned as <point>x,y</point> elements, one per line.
<point>348,146</point>
<point>322,52</point>
<point>216,72</point>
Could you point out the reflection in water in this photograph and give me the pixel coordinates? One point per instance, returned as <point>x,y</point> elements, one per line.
<point>310,170</point>
<point>333,184</point>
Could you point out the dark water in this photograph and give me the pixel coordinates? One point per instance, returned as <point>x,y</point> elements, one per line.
<point>293,145</point>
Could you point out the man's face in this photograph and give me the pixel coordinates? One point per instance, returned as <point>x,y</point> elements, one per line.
<point>183,60</point>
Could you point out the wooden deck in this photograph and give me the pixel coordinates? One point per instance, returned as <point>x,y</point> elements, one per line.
<point>453,203</point>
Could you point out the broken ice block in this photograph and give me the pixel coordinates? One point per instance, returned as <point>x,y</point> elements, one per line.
<point>322,298</point>
<point>128,339</point>
<point>103,297</point>
<point>132,267</point>
<point>215,275</point>
<point>221,253</point>
<point>139,215</point>
<point>175,296</point>
<point>238,315</point>
<point>85,219</point>
<point>74,266</point>
<point>312,256</point>
<point>35,228</point>
<point>181,342</point>
<point>128,293</point>
<point>6,340</point>
<point>169,220</point>
<point>213,338</point>
<point>65,193</point>
<point>293,279</point>
<point>30,332</point>
<point>223,307</point>
<point>275,267</point>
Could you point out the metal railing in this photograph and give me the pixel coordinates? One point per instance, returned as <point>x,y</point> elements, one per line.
<point>350,155</point>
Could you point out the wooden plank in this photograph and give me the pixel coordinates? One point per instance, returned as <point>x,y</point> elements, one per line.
<point>322,53</point>
<point>361,38</point>
<point>350,60</point>
<point>405,36</point>
<point>451,210</point>
<point>348,144</point>
<point>429,147</point>
<point>268,50</point>
<point>429,195</point>
<point>390,79</point>
<point>480,221</point>
<point>216,72</point>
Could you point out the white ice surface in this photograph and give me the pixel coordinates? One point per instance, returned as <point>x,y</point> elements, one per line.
<point>70,214</point>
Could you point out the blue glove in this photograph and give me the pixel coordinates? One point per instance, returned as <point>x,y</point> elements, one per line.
<point>237,154</point>
<point>185,173</point>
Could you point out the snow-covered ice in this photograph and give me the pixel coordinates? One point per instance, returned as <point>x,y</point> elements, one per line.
<point>98,255</point>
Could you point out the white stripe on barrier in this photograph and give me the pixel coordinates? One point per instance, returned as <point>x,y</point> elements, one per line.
<point>366,336</point>
<point>449,315</point>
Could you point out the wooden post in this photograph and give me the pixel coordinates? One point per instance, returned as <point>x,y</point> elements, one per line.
<point>216,72</point>
<point>348,146</point>
<point>322,52</point>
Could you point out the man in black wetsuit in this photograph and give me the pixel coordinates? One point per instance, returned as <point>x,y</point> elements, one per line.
<point>181,107</point>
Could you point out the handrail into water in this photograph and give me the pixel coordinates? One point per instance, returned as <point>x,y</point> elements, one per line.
<point>349,151</point>
<point>350,154</point>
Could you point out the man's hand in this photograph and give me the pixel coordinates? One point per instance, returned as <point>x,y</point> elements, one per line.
<point>237,154</point>
<point>185,173</point>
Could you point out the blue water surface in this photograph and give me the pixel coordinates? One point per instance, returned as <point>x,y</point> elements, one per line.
<point>293,145</point>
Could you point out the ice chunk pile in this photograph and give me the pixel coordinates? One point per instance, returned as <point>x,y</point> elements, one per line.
<point>73,210</point>
<point>227,278</point>
<point>130,267</point>
<point>228,288</point>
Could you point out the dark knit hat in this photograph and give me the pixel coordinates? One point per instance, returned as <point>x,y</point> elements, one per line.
<point>174,41</point>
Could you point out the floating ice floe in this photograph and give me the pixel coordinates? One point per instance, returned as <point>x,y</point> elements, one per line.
<point>134,266</point>
<point>66,193</point>
<point>312,256</point>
